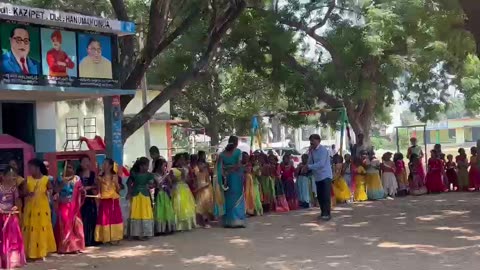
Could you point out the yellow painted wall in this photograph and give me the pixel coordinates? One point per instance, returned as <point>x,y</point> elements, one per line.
<point>468,135</point>
<point>460,135</point>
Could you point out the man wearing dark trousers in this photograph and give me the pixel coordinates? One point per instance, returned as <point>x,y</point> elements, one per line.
<point>319,163</point>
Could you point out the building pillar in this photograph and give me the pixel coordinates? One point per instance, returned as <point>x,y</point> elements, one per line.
<point>113,129</point>
<point>46,123</point>
<point>460,135</point>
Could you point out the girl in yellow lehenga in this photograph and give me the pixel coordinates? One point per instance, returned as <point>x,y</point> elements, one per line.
<point>359,173</point>
<point>182,198</point>
<point>340,187</point>
<point>203,191</point>
<point>109,228</point>
<point>248,185</point>
<point>37,224</point>
<point>140,222</point>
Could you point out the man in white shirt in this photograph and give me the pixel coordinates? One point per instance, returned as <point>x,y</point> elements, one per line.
<point>319,163</point>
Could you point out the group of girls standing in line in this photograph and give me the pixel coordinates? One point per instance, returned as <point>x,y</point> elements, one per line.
<point>448,174</point>
<point>41,215</point>
<point>367,178</point>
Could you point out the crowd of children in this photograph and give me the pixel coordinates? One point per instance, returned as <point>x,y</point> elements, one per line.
<point>41,215</point>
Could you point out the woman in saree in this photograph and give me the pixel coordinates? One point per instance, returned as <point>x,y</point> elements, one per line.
<point>70,196</point>
<point>462,165</point>
<point>230,174</point>
<point>109,228</point>
<point>12,253</point>
<point>37,223</point>
<point>89,207</point>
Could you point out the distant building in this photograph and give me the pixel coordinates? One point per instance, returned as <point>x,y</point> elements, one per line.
<point>454,132</point>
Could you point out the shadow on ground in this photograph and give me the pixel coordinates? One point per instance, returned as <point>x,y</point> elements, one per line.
<point>428,232</point>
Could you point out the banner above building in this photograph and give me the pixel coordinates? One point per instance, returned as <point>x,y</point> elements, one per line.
<point>52,48</point>
<point>65,19</point>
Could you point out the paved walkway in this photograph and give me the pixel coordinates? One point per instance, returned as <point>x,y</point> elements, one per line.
<point>430,232</point>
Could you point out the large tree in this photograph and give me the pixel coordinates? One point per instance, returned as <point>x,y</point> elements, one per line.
<point>163,23</point>
<point>364,51</point>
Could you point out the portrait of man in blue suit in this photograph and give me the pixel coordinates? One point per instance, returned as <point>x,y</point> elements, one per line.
<point>16,60</point>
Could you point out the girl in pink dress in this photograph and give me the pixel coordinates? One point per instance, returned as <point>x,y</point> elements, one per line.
<point>435,173</point>
<point>474,173</point>
<point>281,200</point>
<point>12,254</point>
<point>401,175</point>
<point>287,172</point>
<point>69,228</point>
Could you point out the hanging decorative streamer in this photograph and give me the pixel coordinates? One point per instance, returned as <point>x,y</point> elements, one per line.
<point>255,130</point>
<point>255,134</point>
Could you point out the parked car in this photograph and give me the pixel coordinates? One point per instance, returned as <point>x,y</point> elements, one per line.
<point>282,151</point>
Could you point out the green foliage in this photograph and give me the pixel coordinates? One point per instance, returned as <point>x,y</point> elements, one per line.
<point>471,83</point>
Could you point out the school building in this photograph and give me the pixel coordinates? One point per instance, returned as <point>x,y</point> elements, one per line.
<point>463,132</point>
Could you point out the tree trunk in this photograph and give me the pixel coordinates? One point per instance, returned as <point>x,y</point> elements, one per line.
<point>276,130</point>
<point>212,130</point>
<point>218,31</point>
<point>361,124</point>
<point>472,20</point>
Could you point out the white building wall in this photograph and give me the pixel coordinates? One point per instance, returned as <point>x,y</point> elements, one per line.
<point>134,146</point>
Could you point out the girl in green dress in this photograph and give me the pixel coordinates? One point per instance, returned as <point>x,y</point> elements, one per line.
<point>163,211</point>
<point>140,223</point>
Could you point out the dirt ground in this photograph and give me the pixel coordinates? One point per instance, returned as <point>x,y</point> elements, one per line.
<point>429,232</point>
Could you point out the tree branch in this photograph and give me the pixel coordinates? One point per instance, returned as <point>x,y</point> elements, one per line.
<point>331,7</point>
<point>231,14</point>
<point>322,41</point>
<point>158,21</point>
<point>120,9</point>
<point>145,60</point>
<point>311,78</point>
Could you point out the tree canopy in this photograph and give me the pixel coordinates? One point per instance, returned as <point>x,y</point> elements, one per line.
<point>233,58</point>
